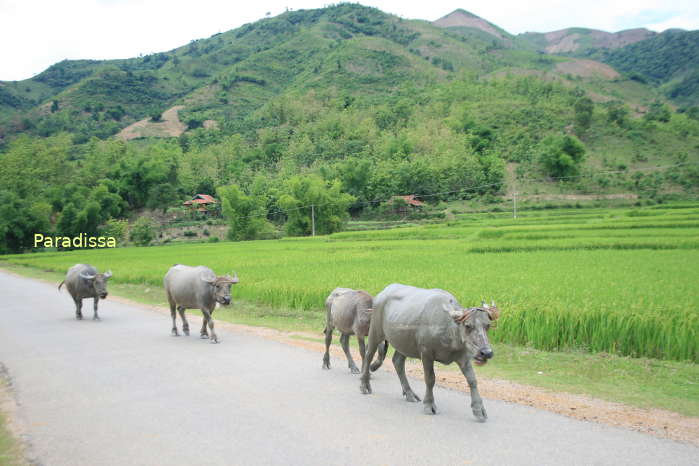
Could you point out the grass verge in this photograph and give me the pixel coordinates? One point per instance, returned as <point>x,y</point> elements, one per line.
<point>10,450</point>
<point>640,382</point>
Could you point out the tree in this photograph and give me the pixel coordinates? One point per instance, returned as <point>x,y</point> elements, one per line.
<point>561,155</point>
<point>658,111</point>
<point>329,203</point>
<point>20,221</point>
<point>143,231</point>
<point>67,224</point>
<point>245,214</point>
<point>617,113</point>
<point>88,218</point>
<point>583,113</point>
<point>117,229</point>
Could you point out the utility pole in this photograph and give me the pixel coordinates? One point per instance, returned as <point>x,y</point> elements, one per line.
<point>313,220</point>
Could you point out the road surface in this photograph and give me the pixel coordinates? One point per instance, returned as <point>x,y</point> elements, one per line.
<point>122,391</point>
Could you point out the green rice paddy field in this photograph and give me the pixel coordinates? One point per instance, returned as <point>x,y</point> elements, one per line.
<point>622,281</point>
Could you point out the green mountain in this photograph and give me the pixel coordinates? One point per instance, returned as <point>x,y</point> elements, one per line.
<point>361,51</point>
<point>369,103</point>
<point>669,60</point>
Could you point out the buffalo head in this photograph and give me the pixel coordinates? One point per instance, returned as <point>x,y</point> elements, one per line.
<point>474,323</point>
<point>98,282</point>
<point>222,287</point>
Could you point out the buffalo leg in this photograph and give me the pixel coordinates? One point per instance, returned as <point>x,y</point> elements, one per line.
<point>204,333</point>
<point>399,364</point>
<point>428,368</point>
<point>328,339</point>
<point>78,308</point>
<point>344,341</point>
<point>173,314</point>
<point>210,322</point>
<point>95,301</point>
<point>362,348</point>
<point>383,349</point>
<point>372,346</point>
<point>476,401</point>
<point>183,318</point>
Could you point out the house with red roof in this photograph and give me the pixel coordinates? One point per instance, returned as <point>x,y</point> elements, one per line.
<point>201,203</point>
<point>408,203</point>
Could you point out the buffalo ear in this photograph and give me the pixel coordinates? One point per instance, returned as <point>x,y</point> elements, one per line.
<point>459,316</point>
<point>493,313</point>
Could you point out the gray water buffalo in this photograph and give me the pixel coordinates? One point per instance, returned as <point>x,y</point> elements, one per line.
<point>83,281</point>
<point>349,311</point>
<point>196,288</point>
<point>432,326</point>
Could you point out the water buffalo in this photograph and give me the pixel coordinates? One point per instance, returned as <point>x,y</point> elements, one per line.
<point>432,326</point>
<point>349,311</point>
<point>83,281</point>
<point>196,288</point>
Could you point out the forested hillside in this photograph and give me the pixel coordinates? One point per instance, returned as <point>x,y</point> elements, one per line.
<point>669,60</point>
<point>344,107</point>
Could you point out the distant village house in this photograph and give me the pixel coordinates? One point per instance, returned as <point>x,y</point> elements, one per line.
<point>202,203</point>
<point>405,204</point>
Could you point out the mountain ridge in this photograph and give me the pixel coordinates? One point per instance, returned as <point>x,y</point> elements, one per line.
<point>228,75</point>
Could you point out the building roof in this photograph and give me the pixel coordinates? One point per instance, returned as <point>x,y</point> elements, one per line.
<point>409,199</point>
<point>202,199</point>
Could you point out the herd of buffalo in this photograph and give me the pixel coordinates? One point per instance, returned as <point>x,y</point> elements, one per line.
<point>428,324</point>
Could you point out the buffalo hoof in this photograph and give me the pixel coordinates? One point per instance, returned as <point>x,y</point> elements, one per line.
<point>174,333</point>
<point>374,366</point>
<point>429,408</point>
<point>96,318</point>
<point>411,397</point>
<point>214,341</point>
<point>326,365</point>
<point>186,332</point>
<point>365,388</point>
<point>204,336</point>
<point>479,412</point>
<point>79,317</point>
<point>354,370</point>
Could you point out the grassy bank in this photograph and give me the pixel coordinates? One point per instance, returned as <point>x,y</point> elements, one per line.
<point>642,382</point>
<point>10,451</point>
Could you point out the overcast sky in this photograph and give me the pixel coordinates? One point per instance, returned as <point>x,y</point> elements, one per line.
<point>37,33</point>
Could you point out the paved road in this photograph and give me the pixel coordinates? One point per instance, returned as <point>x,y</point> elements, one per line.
<point>124,392</point>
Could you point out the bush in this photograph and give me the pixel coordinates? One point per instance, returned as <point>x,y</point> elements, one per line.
<point>561,155</point>
<point>245,214</point>
<point>143,231</point>
<point>117,229</point>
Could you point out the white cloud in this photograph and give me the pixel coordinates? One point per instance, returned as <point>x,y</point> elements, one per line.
<point>38,33</point>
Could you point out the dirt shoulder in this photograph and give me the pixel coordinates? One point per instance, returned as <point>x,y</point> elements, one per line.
<point>14,445</point>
